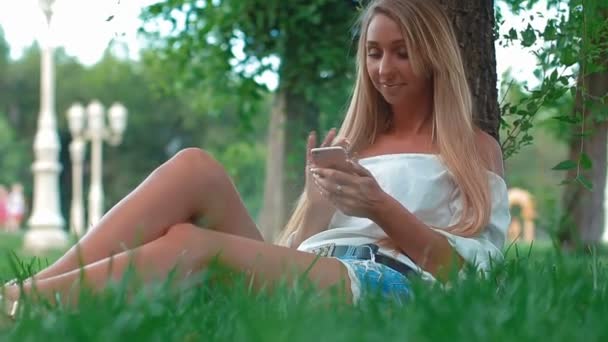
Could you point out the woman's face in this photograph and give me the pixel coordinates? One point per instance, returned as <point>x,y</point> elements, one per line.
<point>388,63</point>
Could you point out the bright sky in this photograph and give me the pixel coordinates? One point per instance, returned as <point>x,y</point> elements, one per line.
<point>80,26</point>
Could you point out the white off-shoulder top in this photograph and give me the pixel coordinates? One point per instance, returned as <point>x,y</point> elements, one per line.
<point>423,185</point>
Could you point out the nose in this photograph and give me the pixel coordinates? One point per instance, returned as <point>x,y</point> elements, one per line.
<point>386,67</point>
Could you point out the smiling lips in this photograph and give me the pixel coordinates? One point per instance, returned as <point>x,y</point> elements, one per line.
<point>392,85</point>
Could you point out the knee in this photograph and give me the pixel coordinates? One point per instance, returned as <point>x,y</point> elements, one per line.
<point>188,241</point>
<point>200,163</point>
<point>191,238</point>
<point>181,232</point>
<point>194,157</point>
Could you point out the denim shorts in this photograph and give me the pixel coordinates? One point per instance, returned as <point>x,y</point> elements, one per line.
<point>369,277</point>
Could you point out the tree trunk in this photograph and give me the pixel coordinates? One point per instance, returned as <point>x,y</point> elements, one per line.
<point>272,214</point>
<point>584,208</point>
<point>473,21</point>
<point>292,118</point>
<point>302,117</point>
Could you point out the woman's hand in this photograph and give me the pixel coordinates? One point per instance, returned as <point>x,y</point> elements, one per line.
<point>354,191</point>
<point>320,209</point>
<point>317,200</point>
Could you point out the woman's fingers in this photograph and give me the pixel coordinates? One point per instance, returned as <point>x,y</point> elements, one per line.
<point>312,141</point>
<point>329,137</point>
<point>359,170</point>
<point>335,177</point>
<point>322,186</point>
<point>327,187</point>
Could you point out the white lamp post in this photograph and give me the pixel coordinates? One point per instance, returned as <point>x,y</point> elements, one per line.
<point>46,221</point>
<point>76,123</point>
<point>96,131</point>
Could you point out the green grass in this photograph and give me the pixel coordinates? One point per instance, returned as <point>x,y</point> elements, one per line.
<point>11,246</point>
<point>537,295</point>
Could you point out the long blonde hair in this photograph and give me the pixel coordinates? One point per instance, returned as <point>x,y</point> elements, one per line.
<point>434,52</point>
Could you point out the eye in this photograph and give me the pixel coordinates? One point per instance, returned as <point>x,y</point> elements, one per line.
<point>373,52</point>
<point>402,53</point>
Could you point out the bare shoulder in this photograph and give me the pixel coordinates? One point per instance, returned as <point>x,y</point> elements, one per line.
<point>490,151</point>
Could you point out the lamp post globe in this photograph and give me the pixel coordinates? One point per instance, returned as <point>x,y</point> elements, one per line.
<point>118,119</point>
<point>76,119</point>
<point>97,132</point>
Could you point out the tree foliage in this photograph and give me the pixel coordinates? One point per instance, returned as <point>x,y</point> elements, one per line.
<point>222,48</point>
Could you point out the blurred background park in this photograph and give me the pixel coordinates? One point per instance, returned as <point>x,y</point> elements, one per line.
<point>228,76</point>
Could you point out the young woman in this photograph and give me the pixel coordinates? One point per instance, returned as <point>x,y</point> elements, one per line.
<point>424,194</point>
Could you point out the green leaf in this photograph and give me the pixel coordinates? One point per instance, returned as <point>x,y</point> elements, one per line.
<point>550,31</point>
<point>565,165</point>
<point>567,118</point>
<point>586,162</point>
<point>584,182</point>
<point>532,107</point>
<point>553,76</point>
<point>567,181</point>
<point>569,56</point>
<point>528,37</point>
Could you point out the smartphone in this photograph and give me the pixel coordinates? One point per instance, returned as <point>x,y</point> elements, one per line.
<point>334,157</point>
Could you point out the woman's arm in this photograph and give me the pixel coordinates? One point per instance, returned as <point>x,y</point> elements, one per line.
<point>426,247</point>
<point>361,196</point>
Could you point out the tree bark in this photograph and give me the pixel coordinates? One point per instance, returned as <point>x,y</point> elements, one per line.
<point>473,21</point>
<point>584,209</point>
<point>584,219</point>
<point>272,214</point>
<point>292,118</point>
<point>302,117</point>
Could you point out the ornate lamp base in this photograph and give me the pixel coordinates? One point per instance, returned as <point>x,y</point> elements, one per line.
<point>39,241</point>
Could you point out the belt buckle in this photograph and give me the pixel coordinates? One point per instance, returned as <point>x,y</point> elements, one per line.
<point>324,250</point>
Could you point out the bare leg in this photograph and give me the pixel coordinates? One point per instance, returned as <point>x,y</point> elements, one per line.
<point>189,186</point>
<point>191,249</point>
